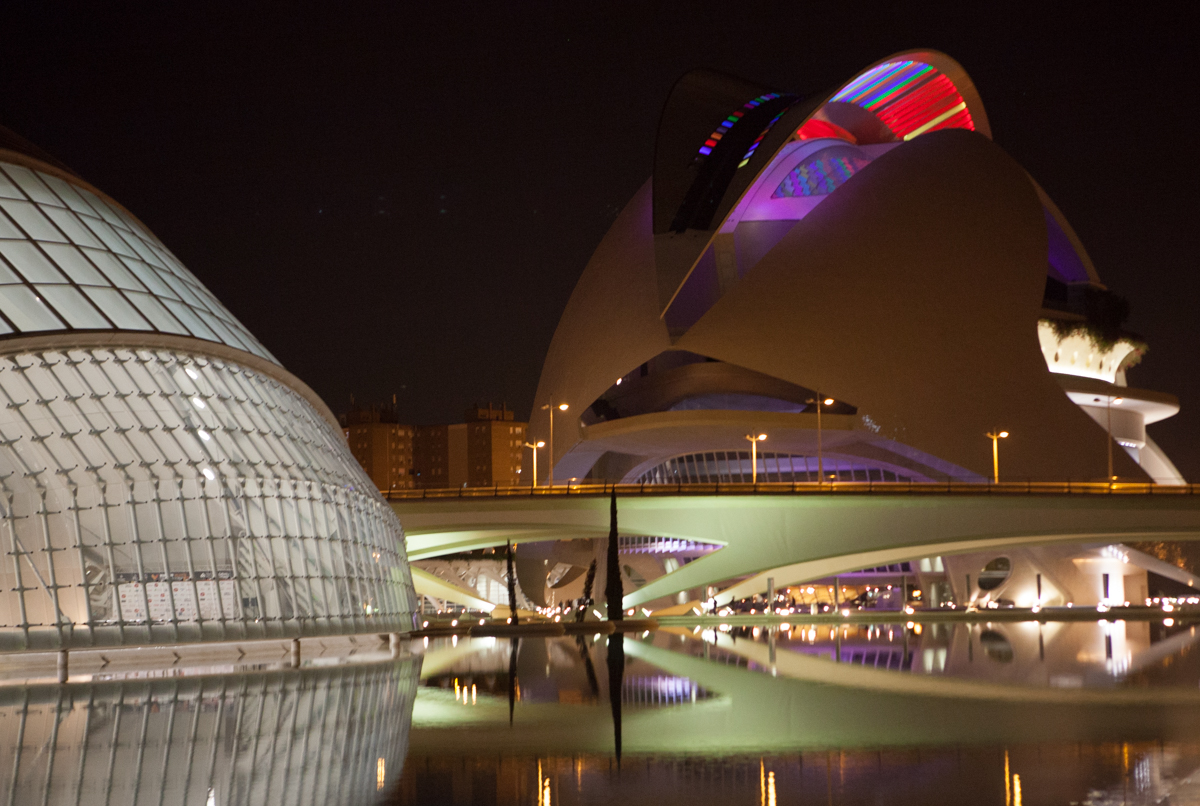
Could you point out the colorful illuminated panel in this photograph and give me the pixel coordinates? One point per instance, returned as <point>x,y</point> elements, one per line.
<point>821,173</point>
<point>728,122</point>
<point>910,98</point>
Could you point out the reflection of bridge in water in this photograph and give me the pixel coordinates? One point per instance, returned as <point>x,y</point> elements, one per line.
<point>800,531</point>
<point>794,702</point>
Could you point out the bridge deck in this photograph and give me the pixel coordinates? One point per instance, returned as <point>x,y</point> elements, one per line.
<point>1067,487</point>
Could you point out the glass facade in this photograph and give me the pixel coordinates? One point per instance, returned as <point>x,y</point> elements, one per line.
<point>71,260</point>
<point>152,491</point>
<point>157,495</point>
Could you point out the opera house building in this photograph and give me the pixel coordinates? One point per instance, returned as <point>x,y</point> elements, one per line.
<point>854,286</point>
<point>871,253</point>
<point>162,478</point>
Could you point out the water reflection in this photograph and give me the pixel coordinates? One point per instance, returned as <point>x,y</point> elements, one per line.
<point>317,735</point>
<point>616,677</point>
<point>1059,654</point>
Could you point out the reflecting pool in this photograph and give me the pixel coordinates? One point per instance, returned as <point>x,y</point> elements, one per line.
<point>1010,713</point>
<point>1003,713</point>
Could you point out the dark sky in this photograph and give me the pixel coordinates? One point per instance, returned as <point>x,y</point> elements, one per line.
<point>400,198</point>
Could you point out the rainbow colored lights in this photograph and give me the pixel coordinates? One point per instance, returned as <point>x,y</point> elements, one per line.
<point>910,98</point>
<point>750,152</point>
<point>728,122</point>
<point>821,173</point>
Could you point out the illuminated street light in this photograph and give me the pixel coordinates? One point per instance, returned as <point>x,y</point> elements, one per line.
<point>995,437</point>
<point>754,440</point>
<point>819,402</point>
<point>1112,401</point>
<point>532,446</point>
<point>551,407</point>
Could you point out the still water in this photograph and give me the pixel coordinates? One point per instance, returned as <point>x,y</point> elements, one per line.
<point>1004,713</point>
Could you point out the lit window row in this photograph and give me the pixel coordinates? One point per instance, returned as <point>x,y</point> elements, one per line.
<point>69,260</point>
<point>735,467</point>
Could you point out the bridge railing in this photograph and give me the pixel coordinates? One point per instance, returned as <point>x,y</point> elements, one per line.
<point>806,488</point>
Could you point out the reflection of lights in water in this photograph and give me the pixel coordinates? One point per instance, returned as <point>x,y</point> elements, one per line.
<point>380,773</point>
<point>1007,782</point>
<point>770,789</point>
<point>1016,790</point>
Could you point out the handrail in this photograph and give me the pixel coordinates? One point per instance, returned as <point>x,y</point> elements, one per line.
<point>767,488</point>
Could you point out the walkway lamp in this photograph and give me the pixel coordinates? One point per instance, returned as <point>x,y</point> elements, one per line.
<point>754,440</point>
<point>819,402</point>
<point>534,446</point>
<point>1112,401</point>
<point>550,407</point>
<point>995,437</point>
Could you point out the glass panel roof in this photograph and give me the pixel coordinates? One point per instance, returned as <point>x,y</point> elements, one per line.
<point>119,262</point>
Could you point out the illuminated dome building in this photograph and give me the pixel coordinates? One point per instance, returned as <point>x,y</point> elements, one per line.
<point>871,247</point>
<point>162,477</point>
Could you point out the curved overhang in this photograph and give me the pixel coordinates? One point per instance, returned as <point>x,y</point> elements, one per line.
<point>658,436</point>
<point>1065,251</point>
<point>1090,392</point>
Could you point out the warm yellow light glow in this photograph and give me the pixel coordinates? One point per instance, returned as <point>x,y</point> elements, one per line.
<point>472,694</point>
<point>770,789</point>
<point>1016,790</point>
<point>1002,434</point>
<point>1118,401</point>
<point>761,437</point>
<point>1007,782</point>
<point>541,444</point>
<point>563,407</point>
<point>380,774</point>
<point>829,401</point>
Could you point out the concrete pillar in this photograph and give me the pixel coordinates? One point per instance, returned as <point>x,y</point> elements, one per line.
<point>771,595</point>
<point>295,653</point>
<point>394,643</point>
<point>62,665</point>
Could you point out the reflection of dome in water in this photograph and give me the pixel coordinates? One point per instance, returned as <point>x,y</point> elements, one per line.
<point>321,735</point>
<point>162,477</point>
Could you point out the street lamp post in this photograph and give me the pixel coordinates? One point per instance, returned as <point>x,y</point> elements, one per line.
<point>819,401</point>
<point>754,440</point>
<point>534,446</point>
<point>1112,401</point>
<point>550,407</point>
<point>995,437</point>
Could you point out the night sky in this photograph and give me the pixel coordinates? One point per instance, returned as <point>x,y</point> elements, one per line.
<point>400,201</point>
